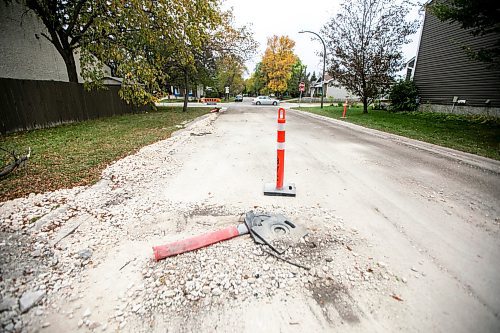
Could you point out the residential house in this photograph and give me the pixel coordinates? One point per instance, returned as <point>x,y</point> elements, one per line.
<point>25,53</point>
<point>34,80</point>
<point>409,69</point>
<point>447,79</point>
<point>333,91</point>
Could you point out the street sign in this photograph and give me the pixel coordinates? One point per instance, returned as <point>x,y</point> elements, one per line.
<point>302,86</point>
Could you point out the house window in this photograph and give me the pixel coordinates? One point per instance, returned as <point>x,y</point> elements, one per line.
<point>408,74</point>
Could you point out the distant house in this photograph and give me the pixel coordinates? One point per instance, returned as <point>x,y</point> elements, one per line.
<point>447,80</point>
<point>333,89</point>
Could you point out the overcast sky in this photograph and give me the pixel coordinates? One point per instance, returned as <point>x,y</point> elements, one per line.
<point>288,17</point>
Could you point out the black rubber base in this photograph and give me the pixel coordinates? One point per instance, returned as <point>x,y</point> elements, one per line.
<point>288,190</point>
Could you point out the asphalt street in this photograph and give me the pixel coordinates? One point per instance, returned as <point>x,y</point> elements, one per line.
<point>421,208</point>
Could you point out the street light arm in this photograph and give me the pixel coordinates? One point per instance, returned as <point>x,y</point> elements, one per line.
<point>312,32</point>
<point>324,62</point>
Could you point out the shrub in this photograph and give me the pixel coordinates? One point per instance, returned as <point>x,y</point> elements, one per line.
<point>404,96</point>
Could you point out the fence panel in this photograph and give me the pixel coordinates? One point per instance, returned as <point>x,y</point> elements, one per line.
<point>28,104</point>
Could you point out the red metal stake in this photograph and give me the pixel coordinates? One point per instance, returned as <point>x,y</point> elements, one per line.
<point>196,242</point>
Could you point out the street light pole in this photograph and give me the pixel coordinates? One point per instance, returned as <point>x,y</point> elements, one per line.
<point>324,62</point>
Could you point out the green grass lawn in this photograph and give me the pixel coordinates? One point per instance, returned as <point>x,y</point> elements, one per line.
<point>473,134</point>
<point>171,100</point>
<point>177,100</point>
<point>75,154</point>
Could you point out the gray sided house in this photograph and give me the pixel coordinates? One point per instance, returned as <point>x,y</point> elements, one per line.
<point>447,79</point>
<point>25,53</point>
<point>34,87</point>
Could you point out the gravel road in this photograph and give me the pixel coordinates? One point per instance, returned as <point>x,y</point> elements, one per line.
<point>403,236</point>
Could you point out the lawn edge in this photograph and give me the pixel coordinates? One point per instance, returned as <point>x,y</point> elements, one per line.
<point>185,127</point>
<point>478,161</point>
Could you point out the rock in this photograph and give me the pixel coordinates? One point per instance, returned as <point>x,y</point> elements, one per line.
<point>414,269</point>
<point>18,326</point>
<point>54,261</point>
<point>9,327</point>
<point>7,304</point>
<point>87,313</point>
<point>46,324</point>
<point>216,292</point>
<point>30,299</point>
<point>93,325</point>
<point>38,312</point>
<point>329,259</point>
<point>169,293</point>
<point>122,324</point>
<point>85,254</point>
<point>80,323</point>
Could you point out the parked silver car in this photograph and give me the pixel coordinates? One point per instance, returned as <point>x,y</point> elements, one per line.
<point>265,100</point>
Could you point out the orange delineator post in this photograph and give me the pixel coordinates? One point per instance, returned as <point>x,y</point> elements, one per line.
<point>280,188</point>
<point>345,109</point>
<point>280,168</point>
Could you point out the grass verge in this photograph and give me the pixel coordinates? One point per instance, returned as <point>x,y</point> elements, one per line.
<point>75,154</point>
<point>473,134</point>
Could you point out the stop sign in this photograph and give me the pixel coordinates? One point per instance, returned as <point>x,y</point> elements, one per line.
<point>301,86</point>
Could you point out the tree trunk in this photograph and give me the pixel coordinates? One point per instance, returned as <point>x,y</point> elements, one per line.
<point>365,105</point>
<point>69,60</point>
<point>186,89</point>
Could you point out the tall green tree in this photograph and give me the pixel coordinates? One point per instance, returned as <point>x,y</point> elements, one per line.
<point>229,73</point>
<point>298,75</point>
<point>479,17</point>
<point>256,83</point>
<point>364,42</point>
<point>313,78</point>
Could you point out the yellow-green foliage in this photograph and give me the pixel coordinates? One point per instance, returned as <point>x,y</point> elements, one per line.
<point>277,62</point>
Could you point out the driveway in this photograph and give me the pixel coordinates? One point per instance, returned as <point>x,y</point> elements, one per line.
<point>402,235</point>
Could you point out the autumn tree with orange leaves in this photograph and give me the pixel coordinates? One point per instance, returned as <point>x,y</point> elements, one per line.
<point>277,63</point>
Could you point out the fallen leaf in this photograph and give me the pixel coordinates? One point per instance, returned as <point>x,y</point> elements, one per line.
<point>397,298</point>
